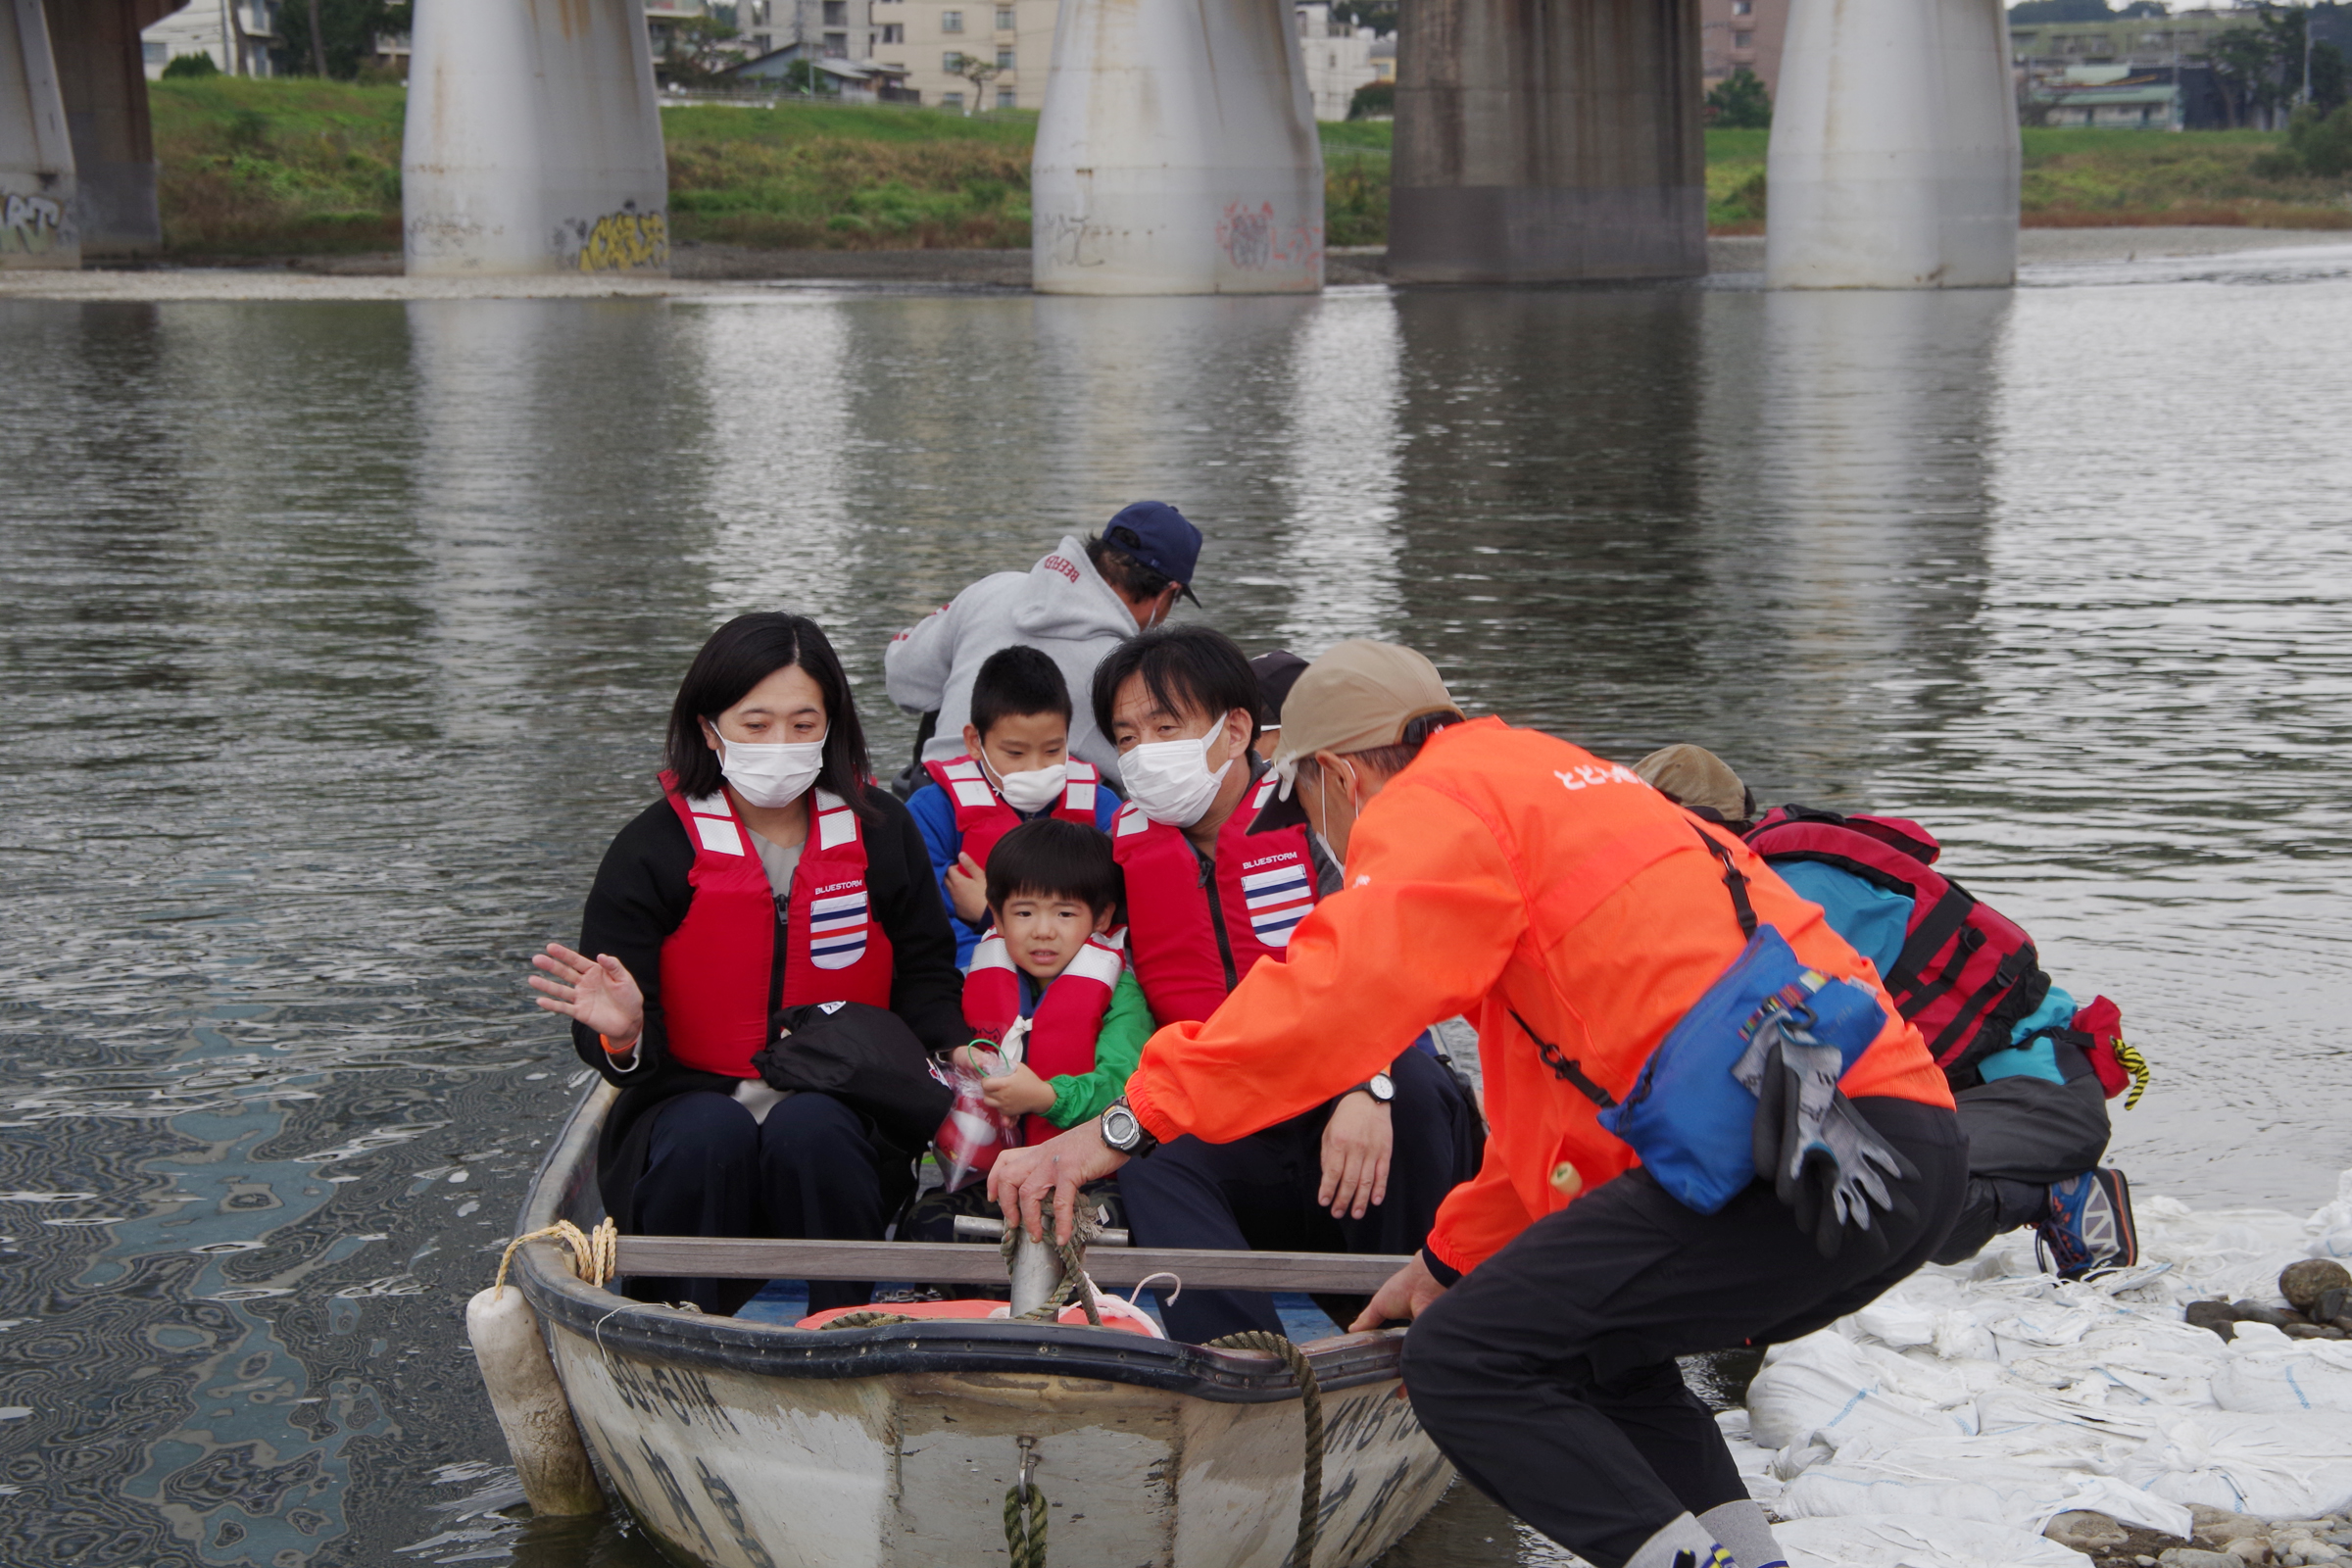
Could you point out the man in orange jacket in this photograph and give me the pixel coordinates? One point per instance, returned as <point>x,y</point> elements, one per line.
<point>1576,914</point>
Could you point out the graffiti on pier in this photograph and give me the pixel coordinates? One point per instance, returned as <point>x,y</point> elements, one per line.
<point>32,224</point>
<point>1255,240</point>
<point>625,241</point>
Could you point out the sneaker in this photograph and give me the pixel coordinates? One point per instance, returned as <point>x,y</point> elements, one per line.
<point>2090,1226</point>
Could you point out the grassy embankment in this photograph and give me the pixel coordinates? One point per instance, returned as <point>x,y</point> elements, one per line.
<point>301,166</point>
<point>2093,179</point>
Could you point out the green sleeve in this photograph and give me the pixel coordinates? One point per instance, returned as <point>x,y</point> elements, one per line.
<point>1126,1025</point>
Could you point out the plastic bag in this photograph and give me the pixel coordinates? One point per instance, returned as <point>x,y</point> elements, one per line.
<point>972,1135</point>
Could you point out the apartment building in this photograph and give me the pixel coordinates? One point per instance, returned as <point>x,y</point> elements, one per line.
<point>1338,56</point>
<point>237,33</point>
<point>931,39</point>
<point>1733,33</point>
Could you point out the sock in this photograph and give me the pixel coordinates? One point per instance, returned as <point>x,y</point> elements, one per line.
<point>1743,1527</point>
<point>1683,1544</point>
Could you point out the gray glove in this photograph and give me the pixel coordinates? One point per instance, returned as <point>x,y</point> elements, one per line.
<point>1823,1159</point>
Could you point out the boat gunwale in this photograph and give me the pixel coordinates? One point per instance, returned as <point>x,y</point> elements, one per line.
<point>926,1347</point>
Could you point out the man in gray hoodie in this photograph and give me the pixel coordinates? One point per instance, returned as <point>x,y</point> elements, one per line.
<point>1076,605</point>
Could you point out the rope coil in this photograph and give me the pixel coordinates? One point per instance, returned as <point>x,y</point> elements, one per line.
<point>594,1254</point>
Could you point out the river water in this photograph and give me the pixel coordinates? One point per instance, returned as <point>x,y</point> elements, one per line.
<point>335,640</point>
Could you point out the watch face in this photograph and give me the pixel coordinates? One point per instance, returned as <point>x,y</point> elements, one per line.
<point>1383,1088</point>
<point>1119,1127</point>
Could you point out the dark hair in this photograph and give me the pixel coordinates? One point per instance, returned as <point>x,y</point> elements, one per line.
<point>1389,761</point>
<point>1053,858</point>
<point>1014,682</point>
<point>1130,577</point>
<point>738,655</point>
<point>1186,665</point>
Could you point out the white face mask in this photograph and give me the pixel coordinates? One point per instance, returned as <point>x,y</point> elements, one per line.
<point>1031,791</point>
<point>770,776</point>
<point>1171,779</point>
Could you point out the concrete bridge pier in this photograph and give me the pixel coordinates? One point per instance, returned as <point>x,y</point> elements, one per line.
<point>1894,161</point>
<point>1548,141</point>
<point>104,84</point>
<point>533,140</point>
<point>1177,152</point>
<point>38,223</point>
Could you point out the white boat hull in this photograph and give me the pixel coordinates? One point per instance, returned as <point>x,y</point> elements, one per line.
<point>757,1446</point>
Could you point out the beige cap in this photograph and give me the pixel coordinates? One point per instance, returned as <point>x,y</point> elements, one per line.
<point>1692,776</point>
<point>1357,696</point>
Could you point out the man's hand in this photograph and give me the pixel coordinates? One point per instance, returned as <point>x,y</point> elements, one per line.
<point>967,890</point>
<point>1356,1144</point>
<point>1406,1297</point>
<point>1018,1092</point>
<point>1021,1178</point>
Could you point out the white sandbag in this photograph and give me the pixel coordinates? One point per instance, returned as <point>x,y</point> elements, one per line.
<point>2277,1466</point>
<point>1824,1382</point>
<point>2023,1478</point>
<point>2331,1229</point>
<point>1887,1541</point>
<point>2294,1375</point>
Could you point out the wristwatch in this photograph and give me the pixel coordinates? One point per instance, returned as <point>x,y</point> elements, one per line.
<point>1124,1132</point>
<point>1379,1086</point>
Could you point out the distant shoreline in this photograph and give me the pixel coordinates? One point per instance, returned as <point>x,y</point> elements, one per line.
<point>713,269</point>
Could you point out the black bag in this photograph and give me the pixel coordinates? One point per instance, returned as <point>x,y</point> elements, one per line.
<point>867,1058</point>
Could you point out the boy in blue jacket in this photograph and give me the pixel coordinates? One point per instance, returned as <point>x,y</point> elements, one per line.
<point>1016,766</point>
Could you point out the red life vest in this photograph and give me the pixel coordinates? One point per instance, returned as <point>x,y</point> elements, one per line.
<point>1192,947</point>
<point>981,815</point>
<point>1068,1018</point>
<point>1967,973</point>
<point>718,967</point>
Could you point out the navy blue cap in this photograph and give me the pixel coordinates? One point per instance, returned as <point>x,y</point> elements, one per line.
<point>1158,535</point>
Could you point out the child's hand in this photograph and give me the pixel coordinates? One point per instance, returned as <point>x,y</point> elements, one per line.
<point>1018,1092</point>
<point>967,890</point>
<point>977,1060</point>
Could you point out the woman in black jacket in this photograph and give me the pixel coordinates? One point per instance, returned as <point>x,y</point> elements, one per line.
<point>771,874</point>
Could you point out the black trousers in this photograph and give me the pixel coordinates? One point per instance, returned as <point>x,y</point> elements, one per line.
<point>812,1168</point>
<point>1547,1374</point>
<point>1258,1193</point>
<point>2022,1135</point>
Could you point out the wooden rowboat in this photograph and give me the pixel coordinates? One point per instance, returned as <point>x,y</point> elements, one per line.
<point>759,1445</point>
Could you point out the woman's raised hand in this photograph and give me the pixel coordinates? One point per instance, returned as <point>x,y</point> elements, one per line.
<point>598,992</point>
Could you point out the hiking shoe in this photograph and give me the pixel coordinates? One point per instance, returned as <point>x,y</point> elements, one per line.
<point>2088,1227</point>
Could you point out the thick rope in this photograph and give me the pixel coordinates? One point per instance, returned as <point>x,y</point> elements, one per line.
<point>1072,1252</point>
<point>864,1320</point>
<point>1025,1536</point>
<point>1310,1400</point>
<point>594,1254</point>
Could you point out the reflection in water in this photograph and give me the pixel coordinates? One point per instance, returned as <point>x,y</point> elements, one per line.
<point>1339,556</point>
<point>1549,497</point>
<point>777,459</point>
<point>1854,560</point>
<point>338,640</point>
